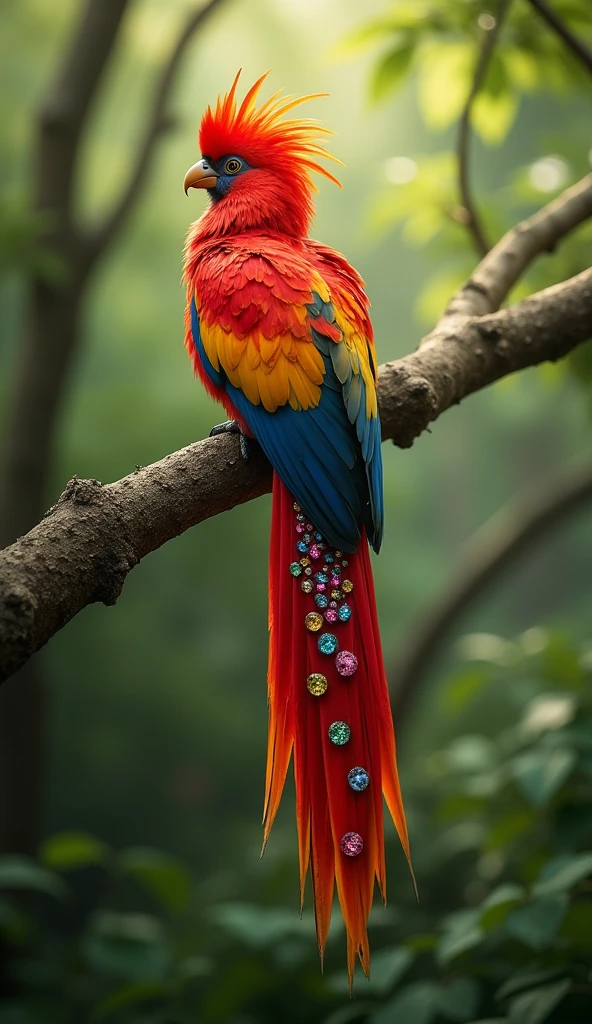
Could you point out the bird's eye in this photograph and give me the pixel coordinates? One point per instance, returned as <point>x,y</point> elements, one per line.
<point>232,166</point>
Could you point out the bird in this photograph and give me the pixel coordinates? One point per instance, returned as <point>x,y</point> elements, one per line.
<point>278,329</point>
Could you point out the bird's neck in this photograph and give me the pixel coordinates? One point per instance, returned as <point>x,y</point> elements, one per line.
<point>264,205</point>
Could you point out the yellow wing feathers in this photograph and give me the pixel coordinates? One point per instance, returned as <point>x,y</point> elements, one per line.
<point>267,348</point>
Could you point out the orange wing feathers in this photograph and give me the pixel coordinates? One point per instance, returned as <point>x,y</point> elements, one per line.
<point>252,301</point>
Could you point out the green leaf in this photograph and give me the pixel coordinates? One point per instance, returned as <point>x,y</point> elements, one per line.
<point>506,830</point>
<point>14,925</point>
<point>261,926</point>
<point>67,851</point>
<point>130,995</point>
<point>540,773</point>
<point>462,933</point>
<point>461,690</point>
<point>472,754</point>
<point>534,1007</point>
<point>496,79</point>
<point>20,872</point>
<point>563,874</point>
<point>422,943</point>
<point>577,926</point>
<point>561,662</point>
<point>521,68</point>
<point>353,1011</point>
<point>459,999</point>
<point>388,967</point>
<point>527,978</point>
<point>194,967</point>
<point>391,70</point>
<point>126,945</point>
<point>498,905</point>
<point>493,116</point>
<point>163,875</point>
<point>444,83</point>
<point>415,1004</point>
<point>537,924</point>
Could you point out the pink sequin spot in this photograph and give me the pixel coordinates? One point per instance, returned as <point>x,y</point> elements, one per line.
<point>331,615</point>
<point>300,527</point>
<point>321,587</point>
<point>314,551</point>
<point>346,663</point>
<point>309,527</point>
<point>351,844</point>
<point>335,581</point>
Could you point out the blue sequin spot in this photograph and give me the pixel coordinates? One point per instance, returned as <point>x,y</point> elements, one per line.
<point>321,601</point>
<point>336,570</point>
<point>302,547</point>
<point>345,612</point>
<point>321,577</point>
<point>318,537</point>
<point>327,643</point>
<point>329,558</point>
<point>358,779</point>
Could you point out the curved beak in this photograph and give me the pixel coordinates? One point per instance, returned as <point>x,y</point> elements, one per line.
<point>201,175</point>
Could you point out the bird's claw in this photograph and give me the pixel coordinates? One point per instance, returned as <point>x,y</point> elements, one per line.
<point>232,427</point>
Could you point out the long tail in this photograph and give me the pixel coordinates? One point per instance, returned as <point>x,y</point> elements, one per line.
<point>328,701</point>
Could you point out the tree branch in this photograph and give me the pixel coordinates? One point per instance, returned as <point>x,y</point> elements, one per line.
<point>560,28</point>
<point>159,121</point>
<point>470,217</point>
<point>507,536</point>
<point>84,548</point>
<point>505,263</point>
<point>462,357</point>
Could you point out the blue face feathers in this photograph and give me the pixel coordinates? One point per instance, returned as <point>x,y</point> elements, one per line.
<point>227,168</point>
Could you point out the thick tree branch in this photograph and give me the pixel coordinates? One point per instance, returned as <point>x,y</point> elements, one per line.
<point>507,536</point>
<point>159,121</point>
<point>468,210</point>
<point>463,355</point>
<point>92,538</point>
<point>84,548</point>
<point>560,28</point>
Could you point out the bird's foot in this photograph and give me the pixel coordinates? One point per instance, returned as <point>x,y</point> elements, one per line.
<point>233,427</point>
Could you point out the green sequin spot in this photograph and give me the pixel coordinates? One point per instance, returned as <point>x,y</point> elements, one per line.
<point>339,733</point>
<point>295,568</point>
<point>307,586</point>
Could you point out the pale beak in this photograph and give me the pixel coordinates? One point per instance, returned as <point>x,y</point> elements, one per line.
<point>201,175</point>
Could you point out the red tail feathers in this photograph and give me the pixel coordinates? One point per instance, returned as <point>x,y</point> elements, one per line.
<point>328,701</point>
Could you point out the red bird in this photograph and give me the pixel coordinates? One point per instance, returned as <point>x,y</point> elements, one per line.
<point>278,329</point>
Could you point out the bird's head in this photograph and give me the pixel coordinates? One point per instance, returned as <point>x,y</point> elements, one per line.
<point>257,167</point>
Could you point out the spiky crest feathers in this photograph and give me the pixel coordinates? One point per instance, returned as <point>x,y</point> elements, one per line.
<point>262,138</point>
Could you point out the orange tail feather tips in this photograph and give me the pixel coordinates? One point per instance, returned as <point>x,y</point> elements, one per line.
<point>328,702</point>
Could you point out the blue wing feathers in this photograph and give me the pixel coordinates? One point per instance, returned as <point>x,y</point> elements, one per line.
<point>328,457</point>
<point>215,376</point>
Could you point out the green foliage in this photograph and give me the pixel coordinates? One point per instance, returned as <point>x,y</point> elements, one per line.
<point>504,868</point>
<point>159,715</point>
<point>434,48</point>
<point>23,242</point>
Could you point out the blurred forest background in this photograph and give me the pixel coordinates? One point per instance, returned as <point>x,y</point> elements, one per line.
<point>133,747</point>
